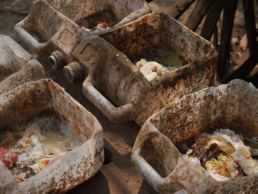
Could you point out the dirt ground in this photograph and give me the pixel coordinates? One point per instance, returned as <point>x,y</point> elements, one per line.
<point>117,175</point>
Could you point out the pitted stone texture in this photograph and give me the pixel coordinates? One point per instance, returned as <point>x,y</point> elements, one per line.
<point>16,65</point>
<point>57,23</point>
<point>233,106</point>
<point>108,62</point>
<point>43,101</point>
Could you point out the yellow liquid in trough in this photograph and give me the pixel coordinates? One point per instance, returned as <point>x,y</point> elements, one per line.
<point>59,143</point>
<point>172,60</point>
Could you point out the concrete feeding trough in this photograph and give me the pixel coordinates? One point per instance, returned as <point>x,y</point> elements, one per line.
<point>43,101</point>
<point>16,65</point>
<point>158,149</point>
<point>107,63</point>
<point>53,26</point>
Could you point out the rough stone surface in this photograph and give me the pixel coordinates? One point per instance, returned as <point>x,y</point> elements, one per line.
<point>44,100</point>
<point>108,66</point>
<point>157,153</point>
<point>16,65</point>
<point>57,23</point>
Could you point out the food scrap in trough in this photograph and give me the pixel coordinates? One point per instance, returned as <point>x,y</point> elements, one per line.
<point>26,154</point>
<point>223,154</point>
<point>153,69</point>
<point>100,26</point>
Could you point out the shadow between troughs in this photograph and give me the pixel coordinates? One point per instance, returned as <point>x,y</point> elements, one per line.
<point>98,184</point>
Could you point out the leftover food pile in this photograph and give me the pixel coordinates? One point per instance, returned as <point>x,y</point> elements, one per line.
<point>223,154</point>
<point>27,153</point>
<point>100,26</point>
<point>152,69</point>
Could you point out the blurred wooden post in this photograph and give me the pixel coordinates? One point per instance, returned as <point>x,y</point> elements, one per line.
<point>212,18</point>
<point>227,26</point>
<point>250,24</point>
<point>179,7</point>
<point>247,62</point>
<point>215,35</point>
<point>199,11</point>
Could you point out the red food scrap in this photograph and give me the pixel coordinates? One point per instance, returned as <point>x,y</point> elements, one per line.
<point>78,129</point>
<point>8,157</point>
<point>31,134</point>
<point>101,25</point>
<point>104,25</point>
<point>45,162</point>
<point>197,135</point>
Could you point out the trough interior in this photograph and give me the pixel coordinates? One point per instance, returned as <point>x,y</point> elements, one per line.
<point>155,151</point>
<point>43,23</point>
<point>154,37</point>
<point>47,118</point>
<point>42,99</point>
<point>93,20</point>
<point>179,120</point>
<point>89,13</point>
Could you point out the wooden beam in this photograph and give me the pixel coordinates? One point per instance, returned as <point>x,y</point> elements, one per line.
<point>250,24</point>
<point>179,7</point>
<point>239,62</point>
<point>198,13</point>
<point>215,35</point>
<point>227,26</point>
<point>245,64</point>
<point>212,18</point>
